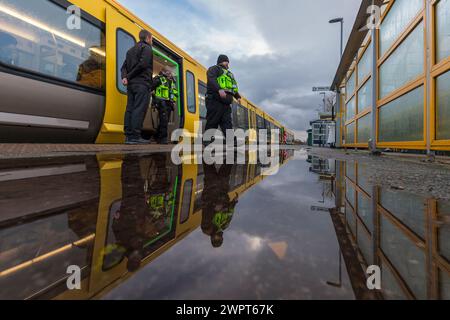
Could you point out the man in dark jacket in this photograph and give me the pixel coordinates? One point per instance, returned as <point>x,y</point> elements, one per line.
<point>137,73</point>
<point>222,88</point>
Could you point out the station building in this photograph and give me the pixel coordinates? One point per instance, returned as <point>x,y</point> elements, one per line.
<point>394,77</point>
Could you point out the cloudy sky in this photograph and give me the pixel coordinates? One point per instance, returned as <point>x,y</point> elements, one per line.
<point>279,50</point>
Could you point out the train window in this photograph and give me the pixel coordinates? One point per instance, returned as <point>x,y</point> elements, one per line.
<point>253,124</point>
<point>238,176</point>
<point>190,83</point>
<point>125,42</point>
<point>242,117</point>
<point>186,201</point>
<point>279,133</point>
<point>260,122</point>
<point>202,89</point>
<point>199,189</point>
<point>34,37</point>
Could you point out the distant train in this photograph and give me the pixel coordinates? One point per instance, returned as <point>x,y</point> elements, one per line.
<point>61,84</point>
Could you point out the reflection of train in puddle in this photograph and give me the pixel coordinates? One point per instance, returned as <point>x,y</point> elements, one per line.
<point>406,235</point>
<point>109,215</point>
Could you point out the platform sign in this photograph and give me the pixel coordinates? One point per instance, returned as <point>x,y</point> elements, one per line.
<point>317,89</point>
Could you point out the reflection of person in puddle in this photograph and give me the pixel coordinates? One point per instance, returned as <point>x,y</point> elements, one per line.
<point>158,190</point>
<point>131,213</point>
<point>138,221</point>
<point>218,208</point>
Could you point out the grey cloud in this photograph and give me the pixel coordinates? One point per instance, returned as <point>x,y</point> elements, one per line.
<point>304,48</point>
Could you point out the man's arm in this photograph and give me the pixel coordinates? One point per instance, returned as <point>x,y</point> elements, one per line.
<point>145,62</point>
<point>124,71</point>
<point>156,83</point>
<point>213,74</point>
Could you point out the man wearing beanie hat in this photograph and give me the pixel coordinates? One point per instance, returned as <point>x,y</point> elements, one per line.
<point>222,88</point>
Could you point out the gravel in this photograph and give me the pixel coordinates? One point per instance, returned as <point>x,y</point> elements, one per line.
<point>410,173</point>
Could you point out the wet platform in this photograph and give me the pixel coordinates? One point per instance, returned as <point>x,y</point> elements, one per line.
<point>140,227</point>
<point>17,151</point>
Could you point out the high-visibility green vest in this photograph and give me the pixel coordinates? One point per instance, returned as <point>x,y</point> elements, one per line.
<point>163,91</point>
<point>227,82</point>
<point>167,90</point>
<point>222,219</point>
<point>158,201</point>
<point>173,92</point>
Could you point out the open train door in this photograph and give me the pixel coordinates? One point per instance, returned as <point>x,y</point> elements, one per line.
<point>164,58</point>
<point>121,35</point>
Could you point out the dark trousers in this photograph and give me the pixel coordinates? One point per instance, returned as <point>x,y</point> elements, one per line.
<point>218,114</point>
<point>133,209</point>
<point>164,110</point>
<point>215,191</point>
<point>137,105</point>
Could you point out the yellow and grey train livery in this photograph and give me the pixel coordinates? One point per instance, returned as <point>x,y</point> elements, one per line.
<point>60,79</point>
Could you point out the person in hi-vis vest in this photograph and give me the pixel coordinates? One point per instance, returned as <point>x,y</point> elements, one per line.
<point>222,89</point>
<point>165,98</point>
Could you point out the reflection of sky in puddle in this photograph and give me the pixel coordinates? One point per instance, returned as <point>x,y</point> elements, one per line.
<point>275,248</point>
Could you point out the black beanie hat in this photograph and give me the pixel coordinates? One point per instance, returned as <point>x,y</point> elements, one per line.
<point>222,58</point>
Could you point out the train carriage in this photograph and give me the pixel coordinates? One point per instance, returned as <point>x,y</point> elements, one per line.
<point>61,83</point>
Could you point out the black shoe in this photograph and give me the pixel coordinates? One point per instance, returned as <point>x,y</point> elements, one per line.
<point>142,141</point>
<point>129,142</point>
<point>153,141</point>
<point>163,141</point>
<point>138,141</point>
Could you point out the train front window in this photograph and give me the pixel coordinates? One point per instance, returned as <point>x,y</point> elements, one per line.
<point>125,42</point>
<point>190,79</point>
<point>202,89</point>
<point>34,36</point>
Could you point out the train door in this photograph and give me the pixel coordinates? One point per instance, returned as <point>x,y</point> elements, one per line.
<point>121,35</point>
<point>109,203</point>
<point>153,197</point>
<point>191,110</point>
<point>162,59</point>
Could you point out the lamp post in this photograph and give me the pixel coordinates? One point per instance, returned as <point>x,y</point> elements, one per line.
<point>341,21</point>
<point>338,97</point>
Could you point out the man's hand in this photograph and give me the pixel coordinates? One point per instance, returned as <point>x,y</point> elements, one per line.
<point>125,81</point>
<point>222,94</point>
<point>239,100</point>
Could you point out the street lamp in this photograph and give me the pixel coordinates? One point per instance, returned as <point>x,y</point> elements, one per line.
<point>341,21</point>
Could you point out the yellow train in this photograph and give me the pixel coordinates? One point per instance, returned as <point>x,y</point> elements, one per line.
<point>87,223</point>
<point>60,77</point>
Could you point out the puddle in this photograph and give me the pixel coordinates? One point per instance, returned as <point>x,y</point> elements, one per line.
<point>139,227</point>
